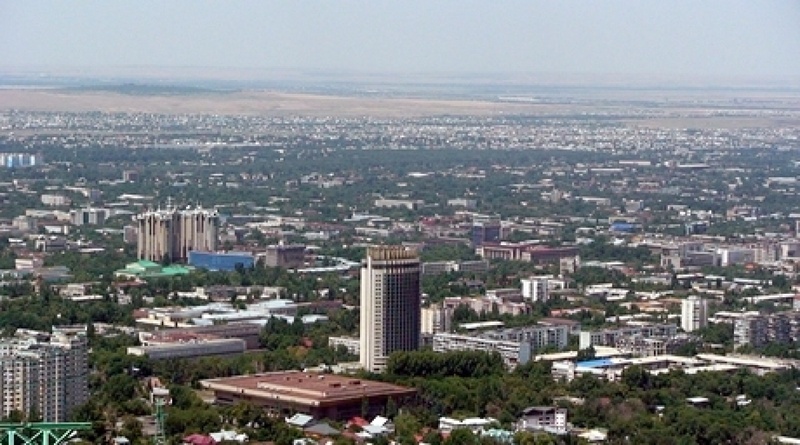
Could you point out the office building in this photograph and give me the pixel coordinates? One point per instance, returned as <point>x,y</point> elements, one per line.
<point>225,261</point>
<point>287,256</point>
<point>88,216</point>
<point>694,313</point>
<point>390,304</point>
<point>44,374</point>
<point>486,230</point>
<point>171,234</point>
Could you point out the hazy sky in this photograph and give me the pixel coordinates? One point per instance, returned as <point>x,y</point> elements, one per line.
<point>687,38</point>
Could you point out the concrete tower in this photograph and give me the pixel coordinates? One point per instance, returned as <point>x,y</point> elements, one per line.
<point>390,304</point>
<point>694,313</point>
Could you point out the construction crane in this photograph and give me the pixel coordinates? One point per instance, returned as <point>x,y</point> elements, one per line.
<point>160,400</point>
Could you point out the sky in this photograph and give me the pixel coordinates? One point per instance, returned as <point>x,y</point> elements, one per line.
<point>676,38</point>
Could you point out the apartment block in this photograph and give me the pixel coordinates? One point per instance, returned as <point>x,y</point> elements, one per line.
<point>45,374</point>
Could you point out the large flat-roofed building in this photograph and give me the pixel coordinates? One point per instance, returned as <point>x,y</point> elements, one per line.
<point>225,261</point>
<point>391,300</point>
<point>171,234</point>
<point>323,396</point>
<point>192,349</point>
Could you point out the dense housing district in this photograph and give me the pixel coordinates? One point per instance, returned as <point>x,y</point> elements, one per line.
<point>560,278</point>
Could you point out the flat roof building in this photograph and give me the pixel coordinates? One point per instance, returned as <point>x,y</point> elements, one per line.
<point>323,396</point>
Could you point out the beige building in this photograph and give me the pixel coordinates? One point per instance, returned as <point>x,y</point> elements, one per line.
<point>390,304</point>
<point>47,377</point>
<point>172,234</point>
<point>287,256</point>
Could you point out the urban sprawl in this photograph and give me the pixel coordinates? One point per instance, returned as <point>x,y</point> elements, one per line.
<point>553,278</point>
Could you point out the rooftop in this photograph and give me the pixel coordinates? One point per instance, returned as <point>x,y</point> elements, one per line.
<point>305,387</point>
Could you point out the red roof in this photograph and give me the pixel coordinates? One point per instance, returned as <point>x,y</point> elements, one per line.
<point>199,439</point>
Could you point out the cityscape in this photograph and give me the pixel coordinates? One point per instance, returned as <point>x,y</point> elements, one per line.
<point>246,254</point>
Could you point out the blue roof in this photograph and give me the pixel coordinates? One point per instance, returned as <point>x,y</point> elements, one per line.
<point>599,363</point>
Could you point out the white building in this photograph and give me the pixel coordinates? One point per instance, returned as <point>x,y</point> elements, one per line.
<point>536,288</point>
<point>55,200</point>
<point>694,313</point>
<point>390,304</point>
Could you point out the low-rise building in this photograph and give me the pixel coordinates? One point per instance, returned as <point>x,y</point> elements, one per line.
<point>323,396</point>
<point>547,418</point>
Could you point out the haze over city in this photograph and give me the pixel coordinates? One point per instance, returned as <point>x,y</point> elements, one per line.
<point>671,42</point>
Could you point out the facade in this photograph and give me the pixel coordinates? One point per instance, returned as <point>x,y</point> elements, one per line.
<point>610,337</point>
<point>287,256</point>
<point>390,304</point>
<point>535,289</point>
<point>45,376</point>
<point>225,261</point>
<point>323,396</point>
<point>532,253</point>
<point>172,234</point>
<point>16,160</point>
<point>436,318</point>
<point>514,353</point>
<point>487,230</point>
<point>694,313</point>
<point>89,216</point>
<point>759,330</point>
<point>548,418</point>
<point>516,346</point>
<point>353,344</point>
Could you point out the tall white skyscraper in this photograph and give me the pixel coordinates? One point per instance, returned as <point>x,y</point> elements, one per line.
<point>694,313</point>
<point>390,304</point>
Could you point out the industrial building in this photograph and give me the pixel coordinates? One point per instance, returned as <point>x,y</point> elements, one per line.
<point>391,298</point>
<point>171,234</point>
<point>322,396</point>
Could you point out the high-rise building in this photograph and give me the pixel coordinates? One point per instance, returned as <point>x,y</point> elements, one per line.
<point>171,234</point>
<point>536,288</point>
<point>44,377</point>
<point>390,304</point>
<point>694,313</point>
<point>486,230</point>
